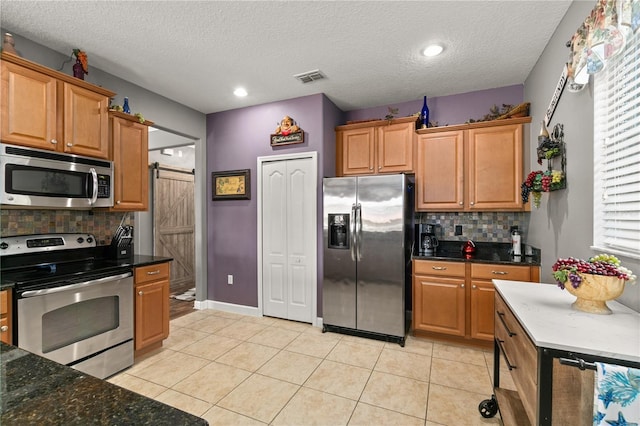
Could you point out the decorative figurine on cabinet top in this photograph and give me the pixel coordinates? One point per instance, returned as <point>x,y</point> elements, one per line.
<point>81,67</point>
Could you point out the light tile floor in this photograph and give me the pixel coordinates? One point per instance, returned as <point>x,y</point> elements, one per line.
<point>238,370</point>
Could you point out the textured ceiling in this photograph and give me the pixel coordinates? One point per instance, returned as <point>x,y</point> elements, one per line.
<point>196,53</point>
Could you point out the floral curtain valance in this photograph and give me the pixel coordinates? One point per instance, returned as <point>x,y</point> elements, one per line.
<point>602,36</point>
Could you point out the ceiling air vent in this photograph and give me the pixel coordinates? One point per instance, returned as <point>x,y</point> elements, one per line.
<point>310,76</point>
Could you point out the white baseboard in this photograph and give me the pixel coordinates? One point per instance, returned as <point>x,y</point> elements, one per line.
<point>236,309</point>
<point>227,307</point>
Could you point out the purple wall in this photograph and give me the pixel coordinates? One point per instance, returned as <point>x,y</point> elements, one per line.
<point>452,109</point>
<point>235,139</point>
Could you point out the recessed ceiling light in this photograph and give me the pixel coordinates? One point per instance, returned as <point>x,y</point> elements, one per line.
<point>240,92</point>
<point>432,50</point>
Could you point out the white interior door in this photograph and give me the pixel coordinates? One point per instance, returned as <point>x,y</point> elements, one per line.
<point>288,238</point>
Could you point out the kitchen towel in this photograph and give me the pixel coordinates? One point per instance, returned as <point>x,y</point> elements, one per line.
<point>617,395</point>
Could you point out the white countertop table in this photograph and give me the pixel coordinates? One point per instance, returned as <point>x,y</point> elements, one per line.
<point>545,312</point>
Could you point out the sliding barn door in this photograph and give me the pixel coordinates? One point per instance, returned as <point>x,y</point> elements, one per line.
<point>174,224</point>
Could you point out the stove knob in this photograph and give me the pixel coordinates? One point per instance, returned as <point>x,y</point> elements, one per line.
<point>80,240</point>
<point>4,245</point>
<point>89,240</point>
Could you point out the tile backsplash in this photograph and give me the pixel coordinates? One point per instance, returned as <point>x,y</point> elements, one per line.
<point>23,222</point>
<point>477,226</point>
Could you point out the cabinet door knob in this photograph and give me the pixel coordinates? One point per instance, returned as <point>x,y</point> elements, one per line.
<point>474,287</point>
<point>472,203</point>
<point>460,203</point>
<point>140,293</point>
<point>461,285</point>
<point>379,167</point>
<point>370,168</point>
<point>69,144</point>
<point>4,328</point>
<point>118,202</point>
<point>53,141</point>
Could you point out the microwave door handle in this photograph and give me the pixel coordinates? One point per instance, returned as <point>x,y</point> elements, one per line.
<point>94,175</point>
<point>33,293</point>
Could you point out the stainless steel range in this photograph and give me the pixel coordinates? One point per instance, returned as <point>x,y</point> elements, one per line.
<point>73,304</point>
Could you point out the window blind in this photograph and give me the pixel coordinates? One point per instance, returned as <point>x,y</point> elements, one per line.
<point>617,153</point>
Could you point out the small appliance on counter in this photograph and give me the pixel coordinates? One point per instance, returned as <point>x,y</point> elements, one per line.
<point>516,242</point>
<point>428,243</point>
<point>469,249</point>
<point>121,247</point>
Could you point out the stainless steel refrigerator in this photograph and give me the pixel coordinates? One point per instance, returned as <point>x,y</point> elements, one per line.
<point>368,234</point>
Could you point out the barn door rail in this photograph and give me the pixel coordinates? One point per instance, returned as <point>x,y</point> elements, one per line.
<point>157,167</point>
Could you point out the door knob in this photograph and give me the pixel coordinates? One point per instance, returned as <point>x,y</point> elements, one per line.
<point>4,328</point>
<point>140,293</point>
<point>53,141</point>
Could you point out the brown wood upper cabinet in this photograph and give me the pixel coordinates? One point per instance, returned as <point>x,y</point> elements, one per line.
<point>374,147</point>
<point>130,155</point>
<point>46,109</point>
<point>469,167</point>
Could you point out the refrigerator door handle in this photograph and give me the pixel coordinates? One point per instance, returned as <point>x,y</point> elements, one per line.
<point>352,232</point>
<point>359,232</point>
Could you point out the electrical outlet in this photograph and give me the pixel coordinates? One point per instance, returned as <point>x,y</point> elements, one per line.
<point>458,230</point>
<point>229,279</point>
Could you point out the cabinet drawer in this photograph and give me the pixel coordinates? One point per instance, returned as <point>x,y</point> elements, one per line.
<point>520,352</point>
<point>145,274</point>
<point>502,272</point>
<point>438,268</point>
<point>4,302</point>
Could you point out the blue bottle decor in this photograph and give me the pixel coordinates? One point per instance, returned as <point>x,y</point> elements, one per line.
<point>125,106</point>
<point>424,114</point>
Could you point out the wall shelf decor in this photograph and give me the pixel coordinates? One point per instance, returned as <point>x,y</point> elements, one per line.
<point>550,148</point>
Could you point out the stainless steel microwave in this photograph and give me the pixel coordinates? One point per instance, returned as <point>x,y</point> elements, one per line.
<point>45,179</point>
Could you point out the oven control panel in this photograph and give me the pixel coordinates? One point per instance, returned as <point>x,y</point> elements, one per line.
<point>23,244</point>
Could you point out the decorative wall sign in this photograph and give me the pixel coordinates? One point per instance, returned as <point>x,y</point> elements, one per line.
<point>556,95</point>
<point>231,185</point>
<point>287,133</point>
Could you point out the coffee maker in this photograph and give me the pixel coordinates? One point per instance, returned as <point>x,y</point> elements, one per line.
<point>427,240</point>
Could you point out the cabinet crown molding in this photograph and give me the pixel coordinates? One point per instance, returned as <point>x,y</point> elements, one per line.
<point>9,57</point>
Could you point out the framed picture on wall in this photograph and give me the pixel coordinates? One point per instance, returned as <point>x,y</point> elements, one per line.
<point>231,185</point>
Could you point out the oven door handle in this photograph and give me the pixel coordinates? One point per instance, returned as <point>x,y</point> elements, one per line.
<point>44,291</point>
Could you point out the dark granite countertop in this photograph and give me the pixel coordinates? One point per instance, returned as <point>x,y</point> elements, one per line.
<point>35,390</point>
<point>145,260</point>
<point>486,252</point>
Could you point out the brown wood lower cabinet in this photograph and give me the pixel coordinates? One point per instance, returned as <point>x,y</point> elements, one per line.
<point>151,307</point>
<point>455,300</point>
<point>5,317</point>
<point>570,399</point>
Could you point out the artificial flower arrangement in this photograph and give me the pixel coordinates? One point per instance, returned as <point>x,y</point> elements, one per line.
<point>538,182</point>
<point>570,270</point>
<point>81,57</point>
